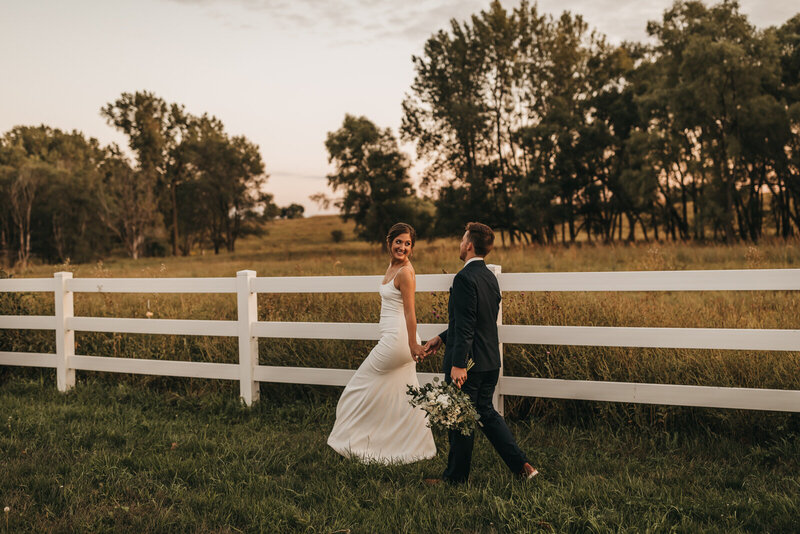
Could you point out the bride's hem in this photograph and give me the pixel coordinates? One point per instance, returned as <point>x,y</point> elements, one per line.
<point>371,458</point>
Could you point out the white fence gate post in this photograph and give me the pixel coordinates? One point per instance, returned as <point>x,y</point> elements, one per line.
<point>65,338</point>
<point>497,400</point>
<point>247,302</point>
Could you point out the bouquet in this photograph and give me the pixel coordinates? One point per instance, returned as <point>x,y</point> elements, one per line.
<point>445,406</point>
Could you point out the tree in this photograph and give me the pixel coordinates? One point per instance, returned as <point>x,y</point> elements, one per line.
<point>223,184</point>
<point>535,122</point>
<point>503,109</point>
<point>52,181</point>
<point>128,203</point>
<point>372,172</point>
<point>12,158</point>
<point>154,129</point>
<point>716,85</point>
<point>785,188</point>
<point>447,118</point>
<point>23,192</point>
<point>292,211</point>
<point>208,184</point>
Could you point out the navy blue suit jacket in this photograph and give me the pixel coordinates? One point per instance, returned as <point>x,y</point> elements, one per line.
<point>472,328</point>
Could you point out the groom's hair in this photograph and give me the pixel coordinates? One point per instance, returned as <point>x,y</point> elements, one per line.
<point>481,237</point>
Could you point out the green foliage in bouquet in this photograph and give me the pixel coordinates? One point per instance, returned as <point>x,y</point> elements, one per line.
<point>445,406</point>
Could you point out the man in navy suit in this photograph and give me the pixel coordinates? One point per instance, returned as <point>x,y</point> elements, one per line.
<point>472,335</point>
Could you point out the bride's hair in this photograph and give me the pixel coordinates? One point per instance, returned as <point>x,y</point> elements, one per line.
<point>399,229</point>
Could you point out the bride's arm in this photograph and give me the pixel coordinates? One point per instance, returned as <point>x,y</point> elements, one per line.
<point>407,285</point>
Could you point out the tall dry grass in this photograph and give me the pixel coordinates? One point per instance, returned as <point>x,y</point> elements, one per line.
<point>305,247</point>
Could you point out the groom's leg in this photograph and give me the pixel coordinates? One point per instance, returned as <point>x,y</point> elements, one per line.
<point>460,455</point>
<point>494,426</point>
<point>459,458</point>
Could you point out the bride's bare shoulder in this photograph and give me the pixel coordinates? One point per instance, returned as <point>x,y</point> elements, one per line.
<point>406,274</point>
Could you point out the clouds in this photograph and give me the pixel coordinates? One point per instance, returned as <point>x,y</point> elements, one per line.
<point>341,22</point>
<point>345,22</point>
<point>368,21</point>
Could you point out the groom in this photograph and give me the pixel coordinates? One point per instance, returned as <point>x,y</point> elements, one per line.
<point>472,334</point>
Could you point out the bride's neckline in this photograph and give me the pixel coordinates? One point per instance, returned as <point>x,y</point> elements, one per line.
<point>395,275</point>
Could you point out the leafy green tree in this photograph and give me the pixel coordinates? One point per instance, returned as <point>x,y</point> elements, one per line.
<point>447,118</point>
<point>29,180</point>
<point>785,188</point>
<point>154,129</point>
<point>52,180</point>
<point>128,203</point>
<point>12,159</point>
<point>503,110</point>
<point>292,211</point>
<point>69,206</point>
<point>222,194</point>
<point>372,172</point>
<point>533,122</point>
<point>718,83</point>
<point>189,171</point>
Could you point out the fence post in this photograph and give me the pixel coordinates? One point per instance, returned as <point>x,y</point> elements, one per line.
<point>497,399</point>
<point>247,304</point>
<point>65,338</point>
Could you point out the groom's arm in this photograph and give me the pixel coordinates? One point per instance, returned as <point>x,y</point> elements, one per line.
<point>465,304</point>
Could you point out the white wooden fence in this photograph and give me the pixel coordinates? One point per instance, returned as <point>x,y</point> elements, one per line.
<point>248,329</point>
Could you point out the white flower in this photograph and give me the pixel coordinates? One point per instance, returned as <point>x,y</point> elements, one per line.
<point>443,400</point>
<point>6,509</point>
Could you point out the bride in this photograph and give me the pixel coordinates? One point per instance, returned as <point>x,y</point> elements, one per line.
<point>374,421</point>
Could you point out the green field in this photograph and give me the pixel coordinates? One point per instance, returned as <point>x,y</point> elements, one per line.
<point>605,466</point>
<point>127,459</point>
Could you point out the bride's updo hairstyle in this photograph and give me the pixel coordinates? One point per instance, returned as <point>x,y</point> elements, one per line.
<point>399,229</point>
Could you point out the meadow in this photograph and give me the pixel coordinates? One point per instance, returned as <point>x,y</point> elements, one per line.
<point>136,453</point>
<point>122,458</point>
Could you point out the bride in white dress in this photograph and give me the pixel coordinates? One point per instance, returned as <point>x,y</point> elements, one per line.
<point>374,421</point>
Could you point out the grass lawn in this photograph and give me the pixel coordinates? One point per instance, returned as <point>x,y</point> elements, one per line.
<point>127,458</point>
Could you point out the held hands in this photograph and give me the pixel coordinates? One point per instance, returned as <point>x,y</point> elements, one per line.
<point>458,374</point>
<point>432,346</point>
<point>418,352</point>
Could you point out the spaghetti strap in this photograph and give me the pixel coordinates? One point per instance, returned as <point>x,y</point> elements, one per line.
<point>395,275</point>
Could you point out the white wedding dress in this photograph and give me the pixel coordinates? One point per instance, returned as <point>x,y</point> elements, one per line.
<point>374,421</point>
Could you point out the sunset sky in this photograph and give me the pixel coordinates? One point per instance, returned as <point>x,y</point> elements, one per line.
<point>281,72</point>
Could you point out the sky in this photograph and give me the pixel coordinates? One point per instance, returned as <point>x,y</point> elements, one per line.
<point>283,73</point>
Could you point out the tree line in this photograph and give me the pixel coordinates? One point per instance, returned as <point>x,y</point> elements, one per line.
<point>190,184</point>
<point>540,127</point>
<point>534,124</point>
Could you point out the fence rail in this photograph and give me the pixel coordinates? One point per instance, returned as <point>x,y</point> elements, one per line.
<point>248,329</point>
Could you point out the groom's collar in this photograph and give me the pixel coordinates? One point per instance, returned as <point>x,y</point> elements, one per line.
<point>476,258</point>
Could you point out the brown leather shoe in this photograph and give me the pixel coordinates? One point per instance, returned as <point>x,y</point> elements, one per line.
<point>432,481</point>
<point>528,471</point>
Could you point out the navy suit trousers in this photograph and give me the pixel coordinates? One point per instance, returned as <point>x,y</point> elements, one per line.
<point>480,388</point>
